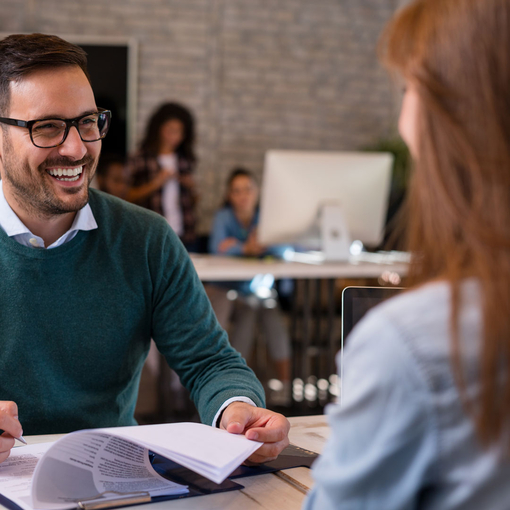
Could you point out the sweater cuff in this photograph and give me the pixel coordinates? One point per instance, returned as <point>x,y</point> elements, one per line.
<point>226,404</point>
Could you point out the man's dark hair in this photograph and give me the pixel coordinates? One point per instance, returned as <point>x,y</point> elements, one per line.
<point>22,54</point>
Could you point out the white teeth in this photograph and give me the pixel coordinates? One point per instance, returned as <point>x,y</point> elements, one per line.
<point>69,172</point>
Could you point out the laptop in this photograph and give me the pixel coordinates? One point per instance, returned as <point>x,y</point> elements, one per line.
<point>356,302</point>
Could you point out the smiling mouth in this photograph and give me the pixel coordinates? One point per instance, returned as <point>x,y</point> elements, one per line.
<point>66,174</point>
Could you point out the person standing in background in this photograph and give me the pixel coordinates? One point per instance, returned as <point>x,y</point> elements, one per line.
<point>161,172</point>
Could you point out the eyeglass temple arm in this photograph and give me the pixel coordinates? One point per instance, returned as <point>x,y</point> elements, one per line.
<point>14,122</point>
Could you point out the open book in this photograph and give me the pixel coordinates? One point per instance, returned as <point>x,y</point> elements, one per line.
<point>114,463</point>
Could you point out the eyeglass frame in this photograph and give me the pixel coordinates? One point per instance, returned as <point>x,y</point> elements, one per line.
<point>28,124</point>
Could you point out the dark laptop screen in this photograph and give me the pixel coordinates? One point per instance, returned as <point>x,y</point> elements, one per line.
<point>356,301</point>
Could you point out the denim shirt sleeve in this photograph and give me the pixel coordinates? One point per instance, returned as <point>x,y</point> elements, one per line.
<point>221,228</point>
<point>383,437</point>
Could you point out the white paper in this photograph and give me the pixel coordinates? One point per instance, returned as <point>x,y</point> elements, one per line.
<point>16,473</point>
<point>209,451</point>
<point>85,465</point>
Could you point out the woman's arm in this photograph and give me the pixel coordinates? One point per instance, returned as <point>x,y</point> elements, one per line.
<point>221,242</point>
<point>139,193</point>
<point>146,178</point>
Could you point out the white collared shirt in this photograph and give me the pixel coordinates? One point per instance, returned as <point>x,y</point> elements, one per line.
<point>15,228</point>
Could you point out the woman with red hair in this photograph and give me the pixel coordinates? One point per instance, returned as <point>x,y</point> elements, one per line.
<point>425,419</point>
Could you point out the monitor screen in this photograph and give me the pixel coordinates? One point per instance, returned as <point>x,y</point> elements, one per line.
<point>296,184</point>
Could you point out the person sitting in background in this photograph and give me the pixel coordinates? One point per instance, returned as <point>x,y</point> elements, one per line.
<point>425,416</point>
<point>161,171</point>
<point>112,176</point>
<point>234,232</point>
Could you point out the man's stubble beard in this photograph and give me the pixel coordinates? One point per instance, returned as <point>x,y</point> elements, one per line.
<point>33,194</point>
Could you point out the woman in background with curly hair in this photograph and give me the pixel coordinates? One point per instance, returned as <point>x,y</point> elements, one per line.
<point>161,171</point>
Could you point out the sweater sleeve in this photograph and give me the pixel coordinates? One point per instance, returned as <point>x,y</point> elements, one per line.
<point>383,436</point>
<point>186,331</point>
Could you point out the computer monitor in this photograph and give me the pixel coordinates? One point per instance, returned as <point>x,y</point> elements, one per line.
<point>323,200</point>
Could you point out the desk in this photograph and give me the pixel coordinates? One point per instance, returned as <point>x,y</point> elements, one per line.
<point>220,268</point>
<point>314,331</point>
<point>276,491</point>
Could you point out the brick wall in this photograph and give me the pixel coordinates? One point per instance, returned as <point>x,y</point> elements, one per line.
<point>259,74</point>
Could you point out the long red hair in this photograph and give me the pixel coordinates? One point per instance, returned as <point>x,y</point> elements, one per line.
<point>457,55</point>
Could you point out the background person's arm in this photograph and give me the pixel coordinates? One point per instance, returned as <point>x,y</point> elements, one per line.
<point>139,193</point>
<point>221,242</point>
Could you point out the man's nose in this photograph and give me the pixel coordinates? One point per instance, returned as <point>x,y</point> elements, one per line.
<point>73,146</point>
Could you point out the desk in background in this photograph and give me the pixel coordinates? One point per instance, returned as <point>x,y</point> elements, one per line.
<point>314,329</point>
<point>284,490</point>
<point>219,268</point>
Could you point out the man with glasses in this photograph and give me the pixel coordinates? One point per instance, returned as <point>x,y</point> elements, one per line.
<point>87,279</point>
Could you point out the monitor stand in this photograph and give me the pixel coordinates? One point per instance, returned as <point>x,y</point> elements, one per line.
<point>335,236</point>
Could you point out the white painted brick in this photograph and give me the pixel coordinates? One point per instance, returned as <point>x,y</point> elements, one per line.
<point>262,74</point>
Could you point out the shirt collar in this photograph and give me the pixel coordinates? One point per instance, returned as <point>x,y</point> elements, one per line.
<point>14,227</point>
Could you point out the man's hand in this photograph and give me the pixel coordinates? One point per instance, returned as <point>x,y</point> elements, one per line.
<point>258,424</point>
<point>10,425</point>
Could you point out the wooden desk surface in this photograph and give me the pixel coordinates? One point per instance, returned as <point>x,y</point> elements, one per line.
<point>275,491</point>
<point>219,268</point>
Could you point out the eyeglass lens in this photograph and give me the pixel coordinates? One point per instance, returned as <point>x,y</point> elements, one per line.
<point>51,132</point>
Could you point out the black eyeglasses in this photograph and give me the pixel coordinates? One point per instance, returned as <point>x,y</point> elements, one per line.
<point>47,133</point>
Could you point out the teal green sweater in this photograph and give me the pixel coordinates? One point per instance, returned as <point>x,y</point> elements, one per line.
<point>76,323</point>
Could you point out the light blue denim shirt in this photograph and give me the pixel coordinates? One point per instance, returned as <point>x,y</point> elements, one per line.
<point>401,439</point>
<point>226,225</point>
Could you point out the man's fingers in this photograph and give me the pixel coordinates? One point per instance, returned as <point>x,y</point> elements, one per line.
<point>235,418</point>
<point>9,419</point>
<point>268,451</point>
<point>234,427</point>
<point>6,443</point>
<point>8,407</point>
<point>276,430</point>
<point>4,455</point>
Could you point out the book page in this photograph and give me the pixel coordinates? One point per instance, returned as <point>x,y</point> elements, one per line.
<point>16,473</point>
<point>209,451</point>
<point>90,465</point>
